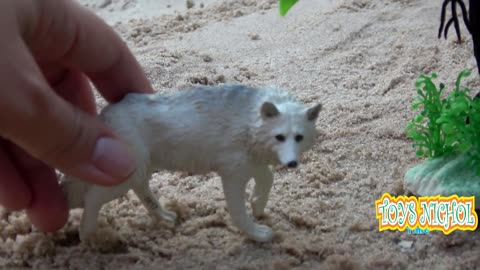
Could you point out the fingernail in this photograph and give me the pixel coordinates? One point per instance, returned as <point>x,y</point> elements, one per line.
<point>113,158</point>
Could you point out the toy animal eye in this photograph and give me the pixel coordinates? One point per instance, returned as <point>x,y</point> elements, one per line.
<point>298,138</point>
<point>280,138</point>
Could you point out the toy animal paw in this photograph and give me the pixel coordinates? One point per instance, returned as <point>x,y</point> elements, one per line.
<point>261,233</point>
<point>169,216</point>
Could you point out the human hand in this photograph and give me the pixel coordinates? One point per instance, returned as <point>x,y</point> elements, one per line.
<point>50,50</point>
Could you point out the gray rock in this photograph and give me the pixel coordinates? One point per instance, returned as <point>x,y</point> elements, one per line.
<point>443,176</point>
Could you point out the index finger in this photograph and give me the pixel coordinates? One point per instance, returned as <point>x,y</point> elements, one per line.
<point>66,32</point>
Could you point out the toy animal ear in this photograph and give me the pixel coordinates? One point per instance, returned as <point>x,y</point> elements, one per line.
<point>269,110</point>
<point>312,113</point>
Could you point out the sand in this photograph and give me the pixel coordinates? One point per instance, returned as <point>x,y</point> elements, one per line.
<point>360,58</point>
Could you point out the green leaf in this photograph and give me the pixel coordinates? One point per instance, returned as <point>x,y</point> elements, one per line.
<point>414,135</point>
<point>285,5</point>
<point>464,147</point>
<point>442,120</point>
<point>448,128</point>
<point>463,74</point>
<point>419,119</point>
<point>459,107</point>
<point>440,128</point>
<point>451,141</point>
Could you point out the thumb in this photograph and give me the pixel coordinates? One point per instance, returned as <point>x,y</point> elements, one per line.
<point>50,129</point>
<point>70,140</point>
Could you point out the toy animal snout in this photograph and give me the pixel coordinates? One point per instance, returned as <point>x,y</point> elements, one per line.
<point>288,154</point>
<point>292,164</point>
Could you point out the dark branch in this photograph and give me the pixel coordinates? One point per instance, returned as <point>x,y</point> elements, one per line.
<point>465,16</point>
<point>442,17</point>
<point>454,19</point>
<point>449,23</point>
<point>455,23</point>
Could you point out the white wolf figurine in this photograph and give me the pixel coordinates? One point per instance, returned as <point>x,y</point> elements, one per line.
<point>236,131</point>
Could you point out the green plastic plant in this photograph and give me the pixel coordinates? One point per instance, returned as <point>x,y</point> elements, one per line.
<point>445,126</point>
<point>285,5</point>
<point>424,129</point>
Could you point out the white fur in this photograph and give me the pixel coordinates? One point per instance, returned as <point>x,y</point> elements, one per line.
<point>228,129</point>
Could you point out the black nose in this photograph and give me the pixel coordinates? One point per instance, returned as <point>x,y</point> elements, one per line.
<point>292,164</point>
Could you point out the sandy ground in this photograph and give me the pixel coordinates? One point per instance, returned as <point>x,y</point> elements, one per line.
<point>359,57</point>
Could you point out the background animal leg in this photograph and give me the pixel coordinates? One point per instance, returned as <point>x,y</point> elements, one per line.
<point>153,206</point>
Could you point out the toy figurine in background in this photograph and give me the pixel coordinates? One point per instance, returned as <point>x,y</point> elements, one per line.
<point>471,21</point>
<point>234,130</point>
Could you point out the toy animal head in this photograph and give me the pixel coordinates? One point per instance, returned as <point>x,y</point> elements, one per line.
<point>286,130</point>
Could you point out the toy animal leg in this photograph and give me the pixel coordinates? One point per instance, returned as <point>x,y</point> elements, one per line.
<point>234,190</point>
<point>88,225</point>
<point>263,183</point>
<point>95,198</point>
<point>146,196</point>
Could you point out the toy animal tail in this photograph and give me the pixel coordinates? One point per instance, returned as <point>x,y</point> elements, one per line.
<point>74,190</point>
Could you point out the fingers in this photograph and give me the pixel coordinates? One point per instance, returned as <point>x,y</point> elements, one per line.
<point>26,183</point>
<point>59,129</point>
<point>52,130</point>
<point>15,194</point>
<point>48,209</point>
<point>74,88</point>
<point>73,35</point>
